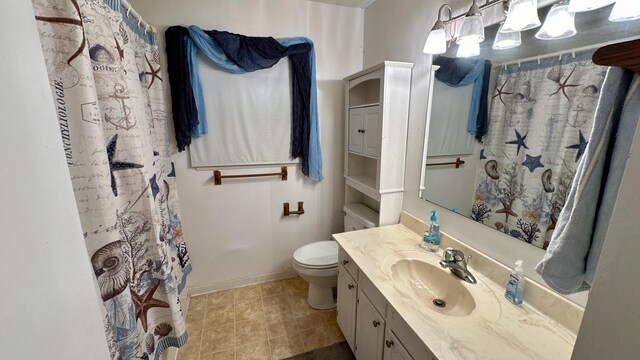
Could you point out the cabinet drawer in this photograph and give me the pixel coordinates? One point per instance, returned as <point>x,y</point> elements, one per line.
<point>348,263</point>
<point>408,338</point>
<point>376,297</point>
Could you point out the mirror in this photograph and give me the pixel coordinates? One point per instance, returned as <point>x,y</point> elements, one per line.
<point>540,114</point>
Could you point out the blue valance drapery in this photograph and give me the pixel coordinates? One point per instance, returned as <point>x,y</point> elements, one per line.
<point>240,54</point>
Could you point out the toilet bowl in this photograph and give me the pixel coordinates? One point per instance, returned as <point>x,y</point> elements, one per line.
<point>317,262</point>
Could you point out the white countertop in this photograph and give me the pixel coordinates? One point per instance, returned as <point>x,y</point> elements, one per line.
<point>496,329</point>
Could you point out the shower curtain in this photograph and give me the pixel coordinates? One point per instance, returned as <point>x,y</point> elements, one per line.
<point>541,117</point>
<point>104,72</point>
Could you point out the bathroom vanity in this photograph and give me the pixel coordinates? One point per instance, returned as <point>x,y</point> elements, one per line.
<point>386,291</point>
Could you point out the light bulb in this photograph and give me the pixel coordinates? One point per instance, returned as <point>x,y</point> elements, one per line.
<point>472,29</point>
<point>523,15</point>
<point>468,49</point>
<point>625,10</point>
<point>588,5</point>
<point>505,41</point>
<point>559,24</point>
<point>436,42</point>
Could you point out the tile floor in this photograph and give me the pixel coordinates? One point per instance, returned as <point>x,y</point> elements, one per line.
<point>264,321</point>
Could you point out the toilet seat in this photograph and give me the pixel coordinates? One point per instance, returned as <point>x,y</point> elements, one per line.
<point>317,255</point>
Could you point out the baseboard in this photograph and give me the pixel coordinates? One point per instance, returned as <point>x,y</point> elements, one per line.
<point>230,284</point>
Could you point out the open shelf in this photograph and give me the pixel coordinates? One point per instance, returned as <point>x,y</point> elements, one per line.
<point>365,93</point>
<point>364,105</point>
<point>365,184</point>
<point>351,153</point>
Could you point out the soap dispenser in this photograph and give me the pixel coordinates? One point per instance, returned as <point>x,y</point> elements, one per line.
<point>434,233</point>
<point>431,236</point>
<point>515,285</point>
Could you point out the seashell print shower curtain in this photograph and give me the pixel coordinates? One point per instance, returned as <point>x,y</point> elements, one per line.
<point>541,118</point>
<point>105,78</point>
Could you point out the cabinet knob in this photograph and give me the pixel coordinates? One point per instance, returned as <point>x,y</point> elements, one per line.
<point>345,262</point>
<point>389,343</point>
<point>350,286</point>
<point>361,131</point>
<point>376,323</point>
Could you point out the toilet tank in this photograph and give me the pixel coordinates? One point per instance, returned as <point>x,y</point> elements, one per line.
<point>358,217</point>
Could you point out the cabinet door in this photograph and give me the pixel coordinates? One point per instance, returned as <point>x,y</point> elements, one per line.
<point>369,330</point>
<point>356,130</point>
<point>393,349</point>
<point>372,128</point>
<point>347,301</point>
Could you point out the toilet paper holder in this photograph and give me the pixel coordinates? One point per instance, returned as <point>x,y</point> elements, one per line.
<point>287,212</point>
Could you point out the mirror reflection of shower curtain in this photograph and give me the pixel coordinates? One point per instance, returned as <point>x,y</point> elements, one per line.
<point>541,117</point>
<point>105,77</point>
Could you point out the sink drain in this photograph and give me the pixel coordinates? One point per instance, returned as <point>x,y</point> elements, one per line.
<point>439,303</point>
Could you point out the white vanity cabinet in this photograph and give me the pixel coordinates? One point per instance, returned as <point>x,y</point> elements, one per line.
<point>370,325</point>
<point>393,349</point>
<point>376,120</point>
<point>347,297</point>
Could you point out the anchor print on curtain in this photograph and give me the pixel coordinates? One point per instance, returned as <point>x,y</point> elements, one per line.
<point>105,78</point>
<point>541,118</point>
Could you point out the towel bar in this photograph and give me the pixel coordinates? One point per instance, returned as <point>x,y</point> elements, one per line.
<point>217,175</point>
<point>457,163</point>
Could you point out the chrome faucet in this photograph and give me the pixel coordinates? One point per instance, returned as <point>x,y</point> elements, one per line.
<point>455,261</point>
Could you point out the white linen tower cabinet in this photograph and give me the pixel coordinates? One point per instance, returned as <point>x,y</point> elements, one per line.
<point>377,113</point>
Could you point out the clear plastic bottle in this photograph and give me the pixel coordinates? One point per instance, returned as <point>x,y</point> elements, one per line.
<point>515,285</point>
<point>434,233</point>
<point>425,243</point>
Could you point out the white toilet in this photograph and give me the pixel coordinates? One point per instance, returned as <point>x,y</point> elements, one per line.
<point>317,262</point>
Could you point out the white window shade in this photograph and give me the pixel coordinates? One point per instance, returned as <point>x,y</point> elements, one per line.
<point>249,117</point>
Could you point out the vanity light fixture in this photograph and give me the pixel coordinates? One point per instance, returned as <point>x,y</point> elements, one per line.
<point>559,24</point>
<point>505,41</point>
<point>468,49</point>
<point>437,40</point>
<point>625,10</point>
<point>523,15</point>
<point>472,30</point>
<point>588,5</point>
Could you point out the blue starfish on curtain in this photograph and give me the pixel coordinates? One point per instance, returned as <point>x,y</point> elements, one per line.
<point>153,183</point>
<point>115,165</point>
<point>533,162</point>
<point>581,146</point>
<point>519,141</point>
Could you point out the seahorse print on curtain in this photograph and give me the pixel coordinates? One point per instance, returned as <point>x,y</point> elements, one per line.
<point>105,78</point>
<point>541,118</point>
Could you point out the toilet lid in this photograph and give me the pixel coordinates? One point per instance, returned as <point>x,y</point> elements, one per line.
<point>317,254</point>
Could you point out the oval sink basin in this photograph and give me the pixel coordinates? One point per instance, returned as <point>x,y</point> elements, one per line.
<point>438,289</point>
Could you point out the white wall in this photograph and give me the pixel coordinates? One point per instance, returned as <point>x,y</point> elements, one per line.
<point>49,305</point>
<point>611,321</point>
<point>235,232</point>
<point>397,30</point>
